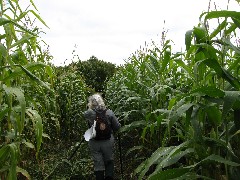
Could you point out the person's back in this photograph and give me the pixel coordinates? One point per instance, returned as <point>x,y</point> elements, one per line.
<point>101,148</point>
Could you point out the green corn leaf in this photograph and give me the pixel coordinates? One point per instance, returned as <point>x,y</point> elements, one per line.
<point>219,14</point>
<point>222,144</point>
<point>36,79</point>
<point>159,153</point>
<point>133,149</point>
<point>4,153</point>
<point>210,91</point>
<point>30,67</point>
<point>3,51</point>
<point>182,109</point>
<point>214,115</point>
<point>14,158</point>
<point>228,42</point>
<point>133,125</point>
<point>3,112</point>
<point>172,159</point>
<point>231,29</point>
<point>218,29</point>
<point>191,176</point>
<point>200,34</point>
<point>188,39</point>
<point>165,61</point>
<point>23,172</point>
<point>23,40</point>
<point>175,115</point>
<point>49,71</point>
<point>196,124</point>
<point>38,126</point>
<point>38,17</point>
<point>220,159</point>
<point>213,63</point>
<point>4,21</point>
<point>230,98</point>
<point>184,67</point>
<point>21,99</point>
<point>169,174</point>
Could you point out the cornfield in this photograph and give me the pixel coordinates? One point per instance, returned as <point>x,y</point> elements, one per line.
<point>180,111</point>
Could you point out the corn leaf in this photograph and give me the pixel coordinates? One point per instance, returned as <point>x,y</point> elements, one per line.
<point>21,99</point>
<point>188,39</point>
<point>210,91</point>
<point>14,157</point>
<point>229,100</point>
<point>158,154</point>
<point>4,153</point>
<point>23,172</point>
<point>169,174</point>
<point>38,126</point>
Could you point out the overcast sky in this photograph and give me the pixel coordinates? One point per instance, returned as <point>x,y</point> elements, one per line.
<point>112,30</point>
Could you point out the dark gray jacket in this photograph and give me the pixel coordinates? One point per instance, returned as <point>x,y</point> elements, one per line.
<point>90,116</point>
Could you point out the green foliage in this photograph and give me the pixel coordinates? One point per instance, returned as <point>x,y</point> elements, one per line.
<point>25,88</point>
<point>71,99</point>
<point>183,106</point>
<point>96,72</point>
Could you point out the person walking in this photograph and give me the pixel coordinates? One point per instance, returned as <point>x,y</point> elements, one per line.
<point>102,145</point>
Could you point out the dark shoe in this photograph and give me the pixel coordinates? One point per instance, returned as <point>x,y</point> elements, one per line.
<point>99,175</point>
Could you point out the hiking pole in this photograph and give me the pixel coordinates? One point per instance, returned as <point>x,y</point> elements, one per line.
<point>120,154</point>
<point>77,147</point>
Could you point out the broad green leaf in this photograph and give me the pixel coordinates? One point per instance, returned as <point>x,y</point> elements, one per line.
<point>3,113</point>
<point>169,174</point>
<point>21,99</point>
<point>210,91</point>
<point>23,172</point>
<point>220,159</point>
<point>133,149</point>
<point>159,153</point>
<point>214,115</point>
<point>200,34</point>
<point>3,51</point>
<point>188,39</point>
<point>30,67</point>
<point>35,78</point>
<point>38,126</point>
<point>49,71</point>
<point>4,153</point>
<point>14,158</point>
<point>172,158</point>
<point>133,125</point>
<point>184,67</point>
<point>165,61</point>
<point>229,100</point>
<point>218,14</point>
<point>213,63</point>
<point>196,124</point>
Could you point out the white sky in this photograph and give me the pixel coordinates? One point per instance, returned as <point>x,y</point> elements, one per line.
<point>112,30</point>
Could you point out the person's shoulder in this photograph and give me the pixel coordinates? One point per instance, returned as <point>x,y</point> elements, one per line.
<point>109,112</point>
<point>89,112</point>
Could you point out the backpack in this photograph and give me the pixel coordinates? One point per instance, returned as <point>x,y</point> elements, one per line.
<point>103,128</point>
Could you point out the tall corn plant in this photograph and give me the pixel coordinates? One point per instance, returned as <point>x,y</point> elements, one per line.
<point>200,114</point>
<point>23,72</point>
<point>71,90</point>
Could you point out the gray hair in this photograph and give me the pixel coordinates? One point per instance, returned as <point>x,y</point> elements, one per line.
<point>96,102</point>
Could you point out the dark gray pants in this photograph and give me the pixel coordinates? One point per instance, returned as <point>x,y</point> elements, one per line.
<point>102,155</point>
